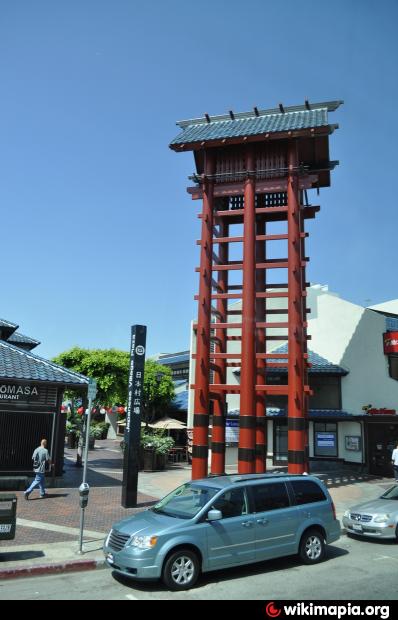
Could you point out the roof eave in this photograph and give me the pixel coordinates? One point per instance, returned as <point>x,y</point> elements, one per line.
<point>312,132</point>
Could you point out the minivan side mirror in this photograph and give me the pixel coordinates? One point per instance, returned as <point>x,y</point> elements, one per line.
<point>214,515</point>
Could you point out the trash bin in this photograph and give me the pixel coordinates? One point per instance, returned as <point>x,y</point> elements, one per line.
<point>8,515</point>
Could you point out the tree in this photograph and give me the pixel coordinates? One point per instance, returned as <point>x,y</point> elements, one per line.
<point>158,390</point>
<point>110,369</point>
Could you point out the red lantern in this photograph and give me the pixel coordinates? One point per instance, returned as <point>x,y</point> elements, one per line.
<point>121,410</point>
<point>80,411</point>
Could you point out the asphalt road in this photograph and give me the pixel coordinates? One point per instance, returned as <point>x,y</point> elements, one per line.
<point>355,570</point>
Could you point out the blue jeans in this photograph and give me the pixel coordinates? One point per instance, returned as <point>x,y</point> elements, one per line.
<point>37,482</point>
<point>396,472</point>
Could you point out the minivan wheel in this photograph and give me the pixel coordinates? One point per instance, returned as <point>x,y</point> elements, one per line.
<point>312,547</point>
<point>181,570</point>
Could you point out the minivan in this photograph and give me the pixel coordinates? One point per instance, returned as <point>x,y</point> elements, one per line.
<point>224,521</point>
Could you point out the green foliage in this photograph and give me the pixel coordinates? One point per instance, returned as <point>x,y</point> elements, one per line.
<point>109,367</point>
<point>95,431</point>
<point>158,390</point>
<point>158,441</point>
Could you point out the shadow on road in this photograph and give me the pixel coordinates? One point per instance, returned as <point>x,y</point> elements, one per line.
<point>237,572</point>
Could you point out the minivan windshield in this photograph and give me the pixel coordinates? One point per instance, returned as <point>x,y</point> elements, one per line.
<point>186,501</point>
<point>392,493</point>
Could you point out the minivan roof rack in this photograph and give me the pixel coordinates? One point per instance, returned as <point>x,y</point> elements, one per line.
<point>243,477</point>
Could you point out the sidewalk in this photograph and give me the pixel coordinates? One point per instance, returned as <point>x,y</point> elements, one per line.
<point>47,533</point>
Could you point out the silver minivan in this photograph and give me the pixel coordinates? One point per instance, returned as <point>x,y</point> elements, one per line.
<point>224,521</point>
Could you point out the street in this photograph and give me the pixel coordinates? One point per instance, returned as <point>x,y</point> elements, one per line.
<point>355,570</point>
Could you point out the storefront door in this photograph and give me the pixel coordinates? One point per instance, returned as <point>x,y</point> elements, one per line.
<point>382,439</point>
<point>21,433</point>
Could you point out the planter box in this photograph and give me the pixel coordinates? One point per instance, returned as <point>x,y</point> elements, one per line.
<point>72,440</point>
<point>153,461</point>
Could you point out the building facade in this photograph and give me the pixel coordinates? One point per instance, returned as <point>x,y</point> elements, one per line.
<point>31,392</point>
<point>354,402</point>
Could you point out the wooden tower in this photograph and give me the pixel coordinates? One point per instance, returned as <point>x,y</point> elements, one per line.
<point>253,169</point>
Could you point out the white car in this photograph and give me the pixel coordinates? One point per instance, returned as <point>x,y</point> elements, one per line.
<point>377,518</point>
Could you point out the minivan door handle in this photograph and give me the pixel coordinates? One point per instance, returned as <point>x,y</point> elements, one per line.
<point>247,523</point>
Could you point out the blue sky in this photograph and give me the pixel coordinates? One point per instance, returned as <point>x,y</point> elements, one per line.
<point>98,232</point>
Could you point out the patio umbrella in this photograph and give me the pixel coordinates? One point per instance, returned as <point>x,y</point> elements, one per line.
<point>169,424</point>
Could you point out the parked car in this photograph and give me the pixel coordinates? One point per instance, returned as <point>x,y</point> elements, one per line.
<point>377,518</point>
<point>224,521</point>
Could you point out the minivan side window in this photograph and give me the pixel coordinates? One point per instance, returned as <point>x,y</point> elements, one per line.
<point>307,492</point>
<point>232,503</point>
<point>270,496</point>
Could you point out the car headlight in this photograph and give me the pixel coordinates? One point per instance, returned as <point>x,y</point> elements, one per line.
<point>347,513</point>
<point>382,518</point>
<point>143,542</point>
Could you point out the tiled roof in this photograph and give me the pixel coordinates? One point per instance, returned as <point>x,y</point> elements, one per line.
<point>174,359</point>
<point>251,124</point>
<point>275,412</point>
<point>180,401</point>
<point>15,363</point>
<point>4,323</point>
<point>17,338</point>
<point>318,363</point>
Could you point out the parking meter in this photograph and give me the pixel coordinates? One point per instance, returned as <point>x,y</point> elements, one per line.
<point>84,490</point>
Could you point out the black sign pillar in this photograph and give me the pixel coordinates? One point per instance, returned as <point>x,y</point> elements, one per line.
<point>133,416</point>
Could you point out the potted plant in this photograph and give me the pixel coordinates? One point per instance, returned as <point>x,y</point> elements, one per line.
<point>72,434</point>
<point>155,446</point>
<point>94,433</point>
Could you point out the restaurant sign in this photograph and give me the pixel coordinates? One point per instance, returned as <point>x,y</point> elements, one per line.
<point>390,340</point>
<point>13,392</point>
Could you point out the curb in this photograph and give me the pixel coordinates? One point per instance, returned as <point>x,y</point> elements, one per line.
<point>48,569</point>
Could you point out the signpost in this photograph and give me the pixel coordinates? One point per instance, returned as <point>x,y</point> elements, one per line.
<point>133,416</point>
<point>84,487</point>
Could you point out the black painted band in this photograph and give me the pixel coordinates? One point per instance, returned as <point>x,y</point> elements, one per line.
<point>200,452</point>
<point>246,454</point>
<point>247,421</point>
<point>296,457</point>
<point>296,424</point>
<point>218,447</point>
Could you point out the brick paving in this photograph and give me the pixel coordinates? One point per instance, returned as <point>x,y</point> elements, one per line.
<point>61,505</point>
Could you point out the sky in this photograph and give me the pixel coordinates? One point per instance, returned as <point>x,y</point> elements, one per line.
<point>98,232</point>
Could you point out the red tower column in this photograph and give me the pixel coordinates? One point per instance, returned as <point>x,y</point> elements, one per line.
<point>202,370</point>
<point>296,399</point>
<point>261,421</point>
<point>218,434</point>
<point>247,420</point>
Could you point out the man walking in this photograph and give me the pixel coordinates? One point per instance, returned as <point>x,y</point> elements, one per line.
<point>394,461</point>
<point>40,457</point>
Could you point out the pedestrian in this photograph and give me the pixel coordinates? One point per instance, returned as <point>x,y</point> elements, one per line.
<point>40,458</point>
<point>394,461</point>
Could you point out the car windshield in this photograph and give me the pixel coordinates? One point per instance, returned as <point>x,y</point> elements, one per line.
<point>392,493</point>
<point>186,501</point>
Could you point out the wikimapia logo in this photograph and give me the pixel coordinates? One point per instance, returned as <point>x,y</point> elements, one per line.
<point>339,611</point>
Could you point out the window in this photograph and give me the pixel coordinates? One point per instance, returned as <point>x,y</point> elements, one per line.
<point>393,366</point>
<point>270,496</point>
<point>327,392</point>
<point>186,501</point>
<point>232,503</point>
<point>307,492</point>
<point>325,436</point>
